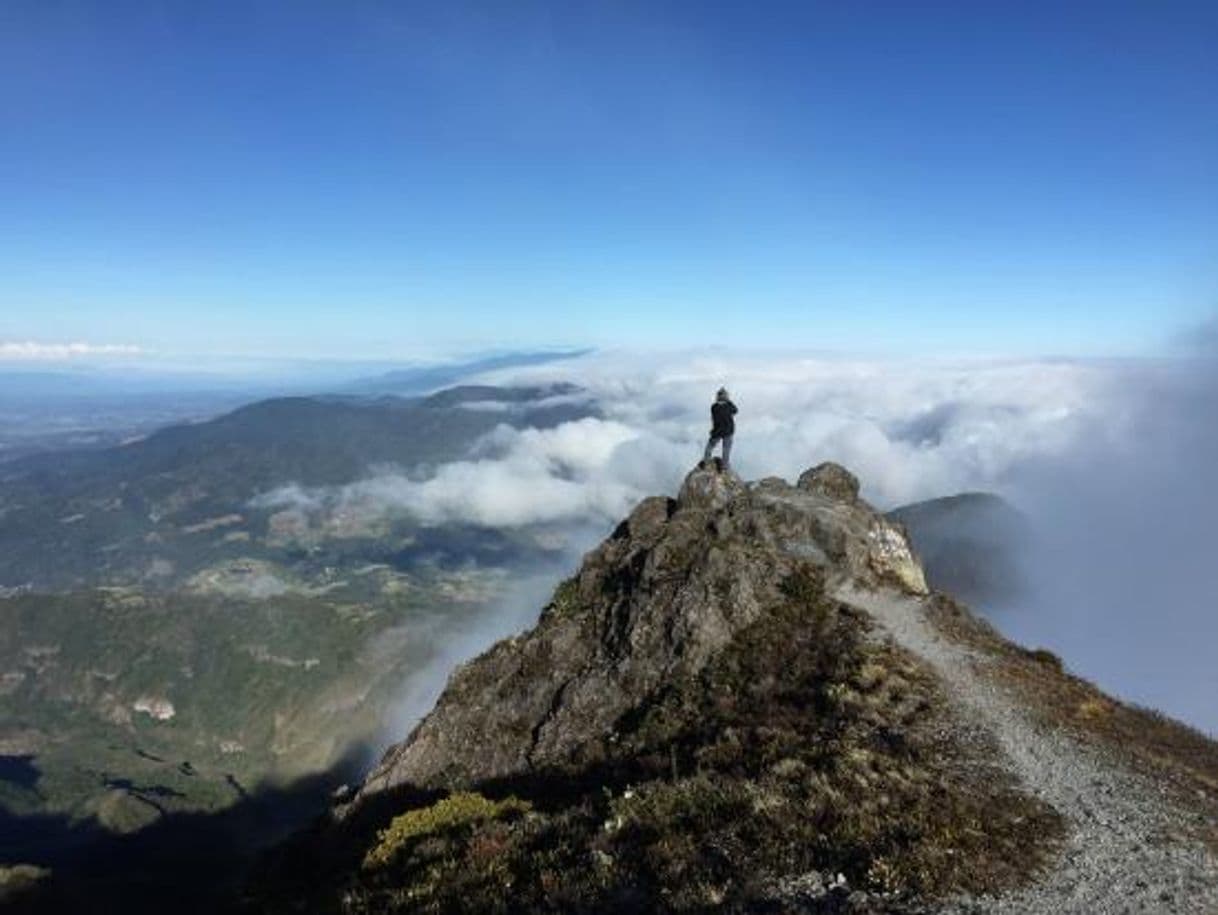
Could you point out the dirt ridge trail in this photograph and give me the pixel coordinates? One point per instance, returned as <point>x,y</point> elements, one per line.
<point>1126,850</point>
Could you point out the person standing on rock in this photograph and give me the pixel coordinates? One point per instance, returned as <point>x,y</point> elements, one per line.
<point>723,427</point>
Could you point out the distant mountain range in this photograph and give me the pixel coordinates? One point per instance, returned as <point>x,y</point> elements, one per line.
<point>96,406</point>
<point>106,516</point>
<point>419,379</point>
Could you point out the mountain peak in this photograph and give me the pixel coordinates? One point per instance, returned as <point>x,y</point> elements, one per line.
<point>674,584</point>
<point>710,486</point>
<point>746,700</point>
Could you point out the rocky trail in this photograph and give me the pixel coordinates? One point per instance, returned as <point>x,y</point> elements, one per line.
<point>1126,852</point>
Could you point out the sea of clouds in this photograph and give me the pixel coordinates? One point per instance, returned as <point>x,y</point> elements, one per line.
<point>1124,582</point>
<point>1115,463</point>
<point>910,430</point>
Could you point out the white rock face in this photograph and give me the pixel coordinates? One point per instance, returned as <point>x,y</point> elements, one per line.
<point>156,707</point>
<point>890,556</point>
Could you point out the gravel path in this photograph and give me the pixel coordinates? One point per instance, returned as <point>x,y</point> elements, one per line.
<point>1126,851</point>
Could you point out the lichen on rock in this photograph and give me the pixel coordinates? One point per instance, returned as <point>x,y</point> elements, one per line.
<point>891,557</point>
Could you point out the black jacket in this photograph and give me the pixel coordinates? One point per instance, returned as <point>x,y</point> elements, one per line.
<point>722,424</point>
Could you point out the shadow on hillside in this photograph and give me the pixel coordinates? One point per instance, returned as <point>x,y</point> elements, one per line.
<point>305,873</point>
<point>184,863</point>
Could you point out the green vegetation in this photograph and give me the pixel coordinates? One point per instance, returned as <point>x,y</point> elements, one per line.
<point>565,601</point>
<point>1046,657</point>
<point>804,746</point>
<point>171,644</point>
<point>128,704</point>
<point>18,879</point>
<point>156,511</point>
<point>460,811</point>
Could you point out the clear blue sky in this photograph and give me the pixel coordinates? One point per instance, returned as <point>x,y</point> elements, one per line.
<point>357,178</point>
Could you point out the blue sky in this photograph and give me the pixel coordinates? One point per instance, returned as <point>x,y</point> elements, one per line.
<point>374,179</point>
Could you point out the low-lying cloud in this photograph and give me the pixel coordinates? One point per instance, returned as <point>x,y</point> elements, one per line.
<point>911,430</point>
<point>29,351</point>
<point>515,478</point>
<point>516,609</point>
<point>1115,462</point>
<point>1125,586</point>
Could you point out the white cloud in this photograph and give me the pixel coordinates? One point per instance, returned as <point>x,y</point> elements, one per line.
<point>1122,581</point>
<point>911,430</point>
<point>1116,463</point>
<point>517,477</point>
<point>29,351</point>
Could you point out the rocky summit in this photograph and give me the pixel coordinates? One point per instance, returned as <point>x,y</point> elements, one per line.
<point>674,585</point>
<point>748,700</point>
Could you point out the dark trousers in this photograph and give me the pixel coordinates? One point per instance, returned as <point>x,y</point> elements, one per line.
<point>727,448</point>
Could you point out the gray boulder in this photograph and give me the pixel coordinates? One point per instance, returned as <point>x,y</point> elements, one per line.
<point>833,481</point>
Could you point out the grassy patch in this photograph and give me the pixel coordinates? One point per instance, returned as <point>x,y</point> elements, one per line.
<point>1045,657</point>
<point>1173,753</point>
<point>460,811</point>
<point>565,601</point>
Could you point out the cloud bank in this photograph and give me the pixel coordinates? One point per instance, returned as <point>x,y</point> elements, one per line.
<point>515,478</point>
<point>1115,462</point>
<point>1124,582</point>
<point>29,351</point>
<point>910,430</point>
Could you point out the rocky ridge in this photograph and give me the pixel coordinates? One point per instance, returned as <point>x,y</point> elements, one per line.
<point>747,700</point>
<point>544,698</point>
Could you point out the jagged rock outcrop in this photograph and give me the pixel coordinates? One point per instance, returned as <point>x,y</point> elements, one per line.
<point>672,586</point>
<point>832,481</point>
